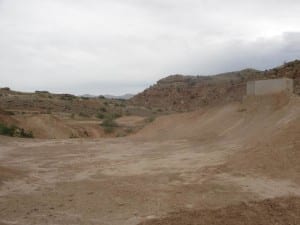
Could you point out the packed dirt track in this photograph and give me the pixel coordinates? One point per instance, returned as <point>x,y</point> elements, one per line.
<point>279,211</point>
<point>237,163</point>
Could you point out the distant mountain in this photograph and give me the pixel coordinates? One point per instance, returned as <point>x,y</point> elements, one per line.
<point>185,93</point>
<point>126,96</point>
<point>88,96</point>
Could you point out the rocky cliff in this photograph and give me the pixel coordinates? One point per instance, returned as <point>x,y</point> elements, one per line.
<point>185,93</point>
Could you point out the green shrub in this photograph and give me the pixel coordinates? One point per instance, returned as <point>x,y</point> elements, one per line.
<point>14,131</point>
<point>100,115</point>
<point>109,124</point>
<point>116,115</point>
<point>150,119</point>
<point>10,113</point>
<point>82,114</point>
<point>8,131</point>
<point>103,109</point>
<point>24,134</point>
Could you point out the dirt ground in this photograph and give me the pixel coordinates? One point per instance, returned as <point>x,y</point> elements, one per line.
<point>235,164</point>
<point>280,211</point>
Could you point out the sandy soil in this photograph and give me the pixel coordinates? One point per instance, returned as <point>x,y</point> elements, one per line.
<point>216,164</point>
<point>280,211</point>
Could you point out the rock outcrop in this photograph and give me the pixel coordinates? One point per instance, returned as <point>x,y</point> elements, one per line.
<point>185,93</point>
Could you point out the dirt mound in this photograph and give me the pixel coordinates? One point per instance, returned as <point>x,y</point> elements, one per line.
<point>253,119</point>
<point>185,93</point>
<point>267,127</point>
<point>280,211</point>
<point>53,126</point>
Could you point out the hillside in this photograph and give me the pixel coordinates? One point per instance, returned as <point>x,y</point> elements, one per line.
<point>49,115</point>
<point>185,93</point>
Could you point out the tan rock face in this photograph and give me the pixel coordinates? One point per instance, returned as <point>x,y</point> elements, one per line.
<point>184,93</point>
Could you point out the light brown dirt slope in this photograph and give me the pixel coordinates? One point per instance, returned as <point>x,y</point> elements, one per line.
<point>267,127</point>
<point>278,211</point>
<point>60,126</point>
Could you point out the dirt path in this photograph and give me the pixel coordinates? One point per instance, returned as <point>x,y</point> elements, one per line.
<point>120,181</point>
<point>280,211</point>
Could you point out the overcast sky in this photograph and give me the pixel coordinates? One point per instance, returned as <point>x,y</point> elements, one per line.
<point>123,46</point>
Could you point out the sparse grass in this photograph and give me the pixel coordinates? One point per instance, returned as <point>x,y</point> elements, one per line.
<point>109,129</point>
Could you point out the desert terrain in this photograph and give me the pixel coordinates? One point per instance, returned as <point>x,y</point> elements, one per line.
<point>46,115</point>
<point>233,163</point>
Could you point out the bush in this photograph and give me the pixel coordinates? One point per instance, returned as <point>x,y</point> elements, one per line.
<point>25,134</point>
<point>116,115</point>
<point>14,131</point>
<point>150,119</point>
<point>5,130</point>
<point>103,109</point>
<point>109,124</point>
<point>82,114</point>
<point>100,115</point>
<point>10,113</point>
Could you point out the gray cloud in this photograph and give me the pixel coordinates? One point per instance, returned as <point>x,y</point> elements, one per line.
<point>123,46</point>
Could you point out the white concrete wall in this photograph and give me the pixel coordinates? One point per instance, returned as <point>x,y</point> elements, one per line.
<point>264,87</point>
